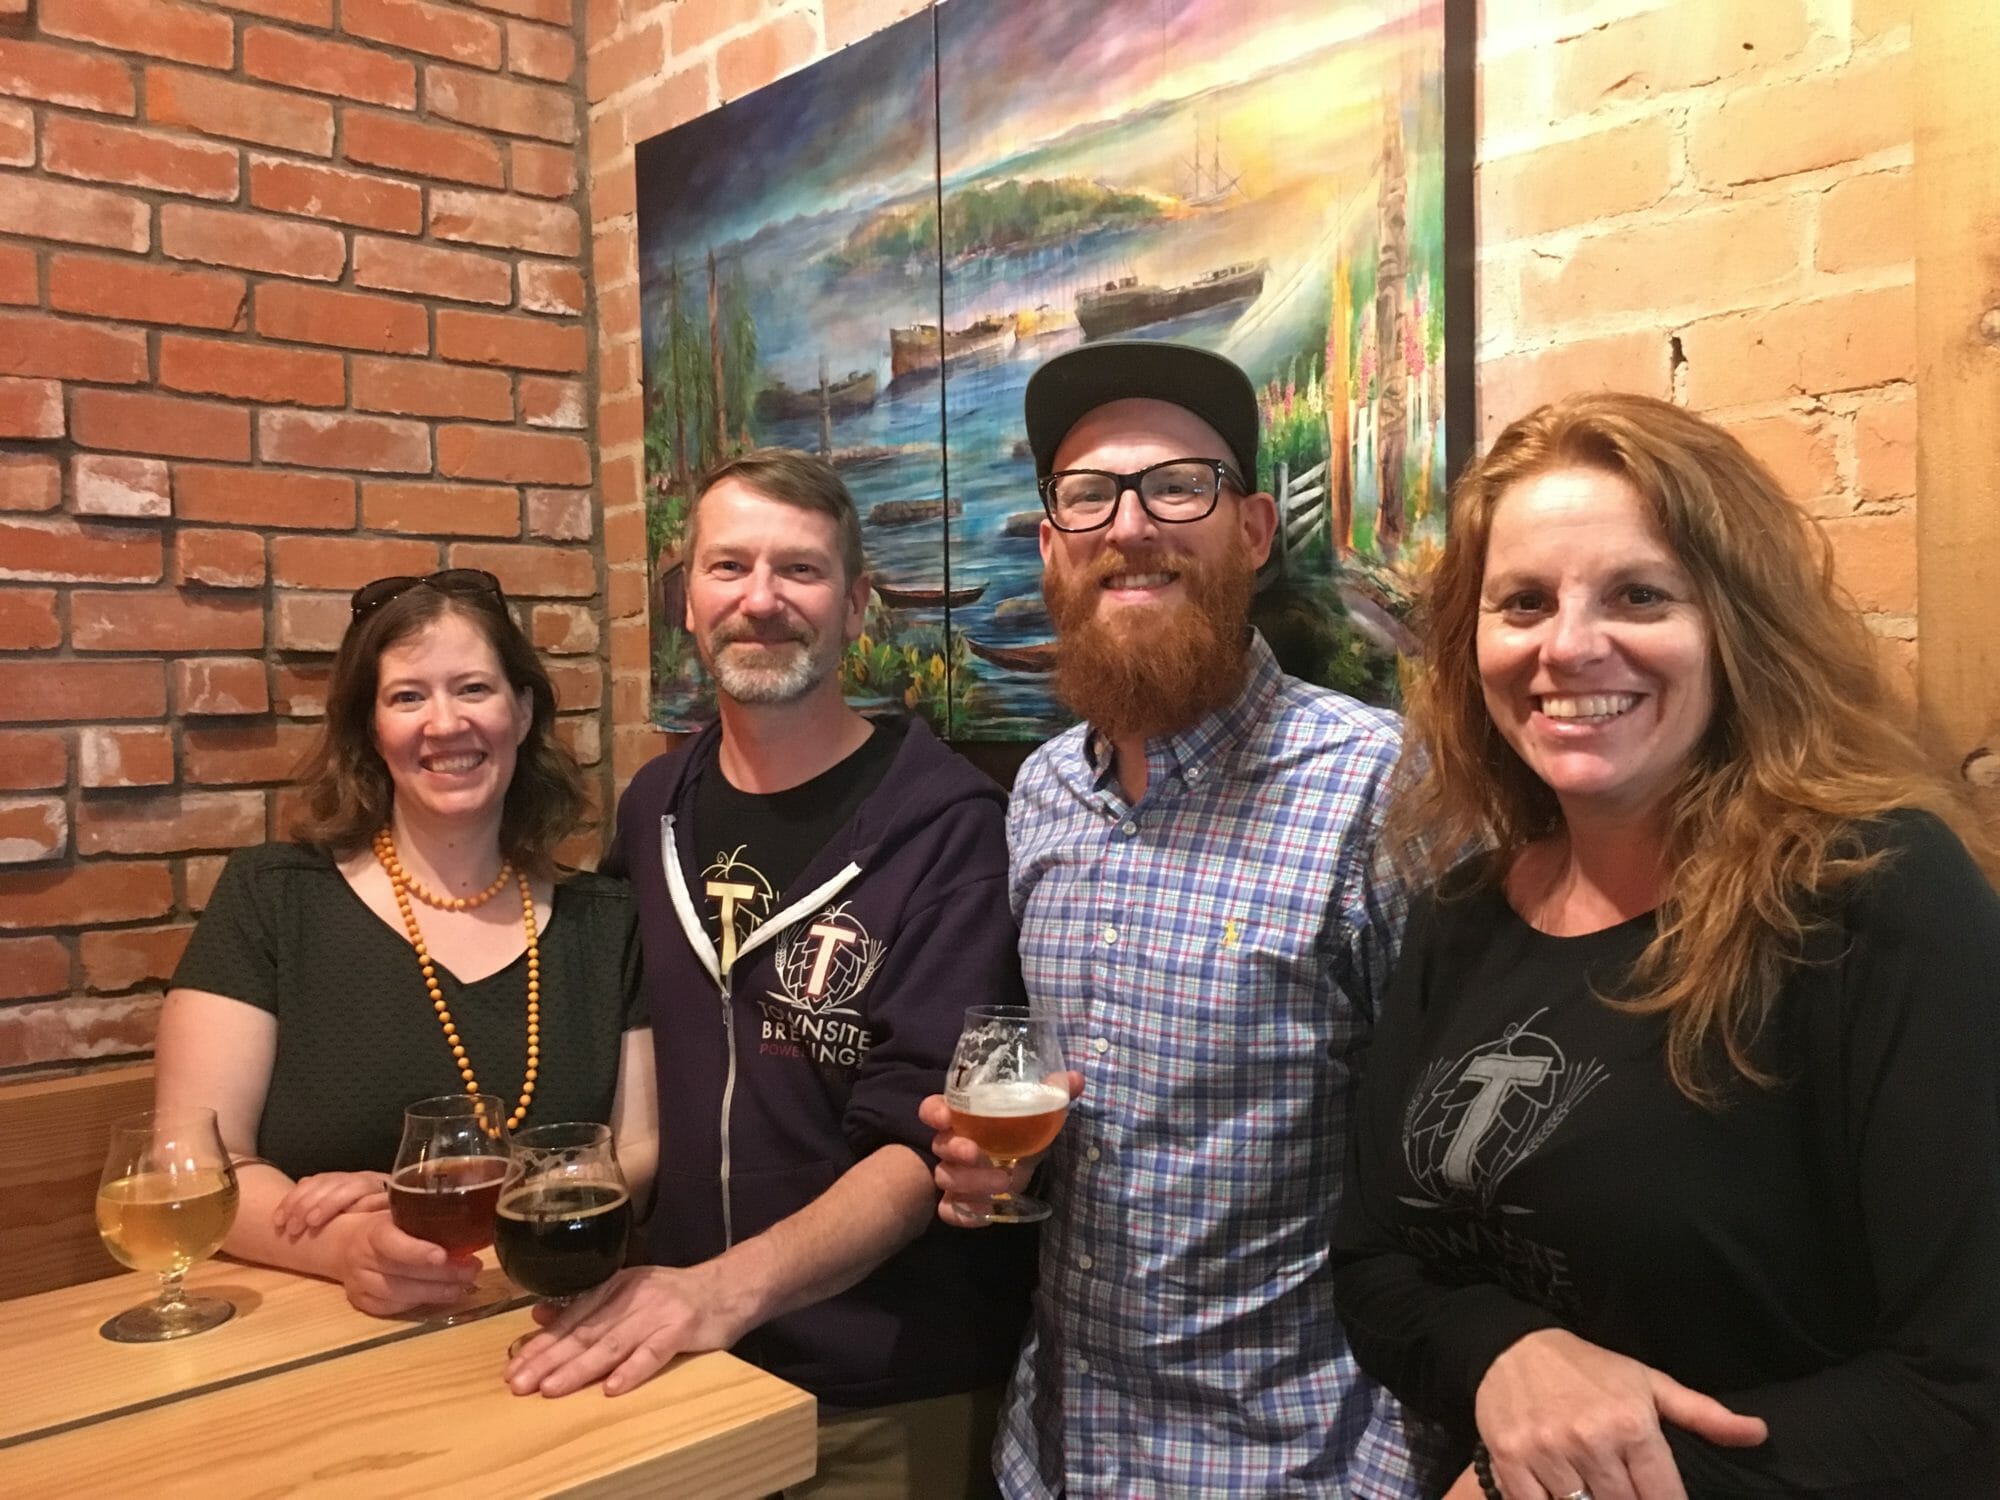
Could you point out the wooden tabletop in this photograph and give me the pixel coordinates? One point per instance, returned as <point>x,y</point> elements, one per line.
<point>298,1394</point>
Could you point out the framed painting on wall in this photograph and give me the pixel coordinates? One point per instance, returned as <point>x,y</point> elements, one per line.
<point>869,258</point>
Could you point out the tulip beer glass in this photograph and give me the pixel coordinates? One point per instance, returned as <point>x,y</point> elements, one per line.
<point>449,1170</point>
<point>1008,1095</point>
<point>565,1213</point>
<point>165,1202</point>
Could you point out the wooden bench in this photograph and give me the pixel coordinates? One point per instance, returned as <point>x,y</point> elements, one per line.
<point>53,1132</point>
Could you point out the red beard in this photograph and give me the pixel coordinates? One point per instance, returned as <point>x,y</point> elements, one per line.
<point>1145,671</point>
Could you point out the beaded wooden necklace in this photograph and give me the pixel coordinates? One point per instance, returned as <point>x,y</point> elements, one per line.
<point>404,886</point>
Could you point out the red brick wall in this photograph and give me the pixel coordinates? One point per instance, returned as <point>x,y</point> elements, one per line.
<point>288,301</point>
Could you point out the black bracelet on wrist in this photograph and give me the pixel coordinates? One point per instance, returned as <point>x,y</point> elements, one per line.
<point>1482,1470</point>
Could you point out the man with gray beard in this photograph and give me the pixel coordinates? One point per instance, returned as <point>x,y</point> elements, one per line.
<point>820,897</point>
<point>1202,913</point>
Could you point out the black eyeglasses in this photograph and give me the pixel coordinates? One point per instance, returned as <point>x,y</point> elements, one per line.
<point>476,583</point>
<point>1176,491</point>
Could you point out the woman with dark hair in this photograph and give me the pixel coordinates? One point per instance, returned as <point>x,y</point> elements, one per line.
<point>1677,1163</point>
<point>418,926</point>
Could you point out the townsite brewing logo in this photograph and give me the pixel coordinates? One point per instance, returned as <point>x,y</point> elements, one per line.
<point>823,964</point>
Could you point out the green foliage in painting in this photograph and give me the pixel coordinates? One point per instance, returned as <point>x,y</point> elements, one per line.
<point>1008,215</point>
<point>922,669</point>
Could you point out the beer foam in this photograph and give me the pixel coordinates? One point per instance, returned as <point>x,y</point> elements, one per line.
<point>1002,1100</point>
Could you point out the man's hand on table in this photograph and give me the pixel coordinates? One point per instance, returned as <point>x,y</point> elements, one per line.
<point>967,1181</point>
<point>625,1331</point>
<point>386,1271</point>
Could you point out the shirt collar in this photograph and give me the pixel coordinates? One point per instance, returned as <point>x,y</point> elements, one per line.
<point>1192,752</point>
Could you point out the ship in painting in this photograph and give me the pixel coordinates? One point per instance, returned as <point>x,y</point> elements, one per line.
<point>921,596</point>
<point>1038,657</point>
<point>1213,182</point>
<point>853,392</point>
<point>1128,302</point>
<point>913,350</point>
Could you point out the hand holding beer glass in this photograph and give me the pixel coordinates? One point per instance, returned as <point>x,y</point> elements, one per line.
<point>166,1200</point>
<point>449,1171</point>
<point>565,1214</point>
<point>1008,1094</point>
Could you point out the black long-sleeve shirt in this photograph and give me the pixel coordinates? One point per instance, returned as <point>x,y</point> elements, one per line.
<point>1824,1254</point>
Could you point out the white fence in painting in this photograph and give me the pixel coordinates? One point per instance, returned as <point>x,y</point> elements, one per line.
<point>1303,507</point>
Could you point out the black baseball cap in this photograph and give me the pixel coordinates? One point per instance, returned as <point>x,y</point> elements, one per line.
<point>1078,381</point>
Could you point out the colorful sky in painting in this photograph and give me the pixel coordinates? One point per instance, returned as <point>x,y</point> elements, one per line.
<point>1109,54</point>
<point>860,122</point>
<point>858,127</point>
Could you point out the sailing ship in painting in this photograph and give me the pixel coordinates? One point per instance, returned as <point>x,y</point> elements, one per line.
<point>1220,181</point>
<point>883,294</point>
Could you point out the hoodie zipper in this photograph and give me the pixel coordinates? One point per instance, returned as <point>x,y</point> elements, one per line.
<point>697,935</point>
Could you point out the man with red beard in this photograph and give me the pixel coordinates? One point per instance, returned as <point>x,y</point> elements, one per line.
<point>1201,911</point>
<point>820,897</point>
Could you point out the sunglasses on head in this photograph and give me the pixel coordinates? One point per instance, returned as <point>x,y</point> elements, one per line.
<point>474,583</point>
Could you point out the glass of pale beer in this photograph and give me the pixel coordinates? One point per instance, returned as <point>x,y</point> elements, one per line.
<point>165,1203</point>
<point>1008,1094</point>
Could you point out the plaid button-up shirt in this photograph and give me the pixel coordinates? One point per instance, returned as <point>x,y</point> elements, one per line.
<point>1214,954</point>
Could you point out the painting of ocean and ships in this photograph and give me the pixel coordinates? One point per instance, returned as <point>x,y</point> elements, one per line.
<point>867,260</point>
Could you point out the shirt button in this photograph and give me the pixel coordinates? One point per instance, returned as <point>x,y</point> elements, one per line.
<point>1084,1262</point>
<point>1110,933</point>
<point>1083,1367</point>
<point>1128,828</point>
<point>1092,1154</point>
<point>1101,1045</point>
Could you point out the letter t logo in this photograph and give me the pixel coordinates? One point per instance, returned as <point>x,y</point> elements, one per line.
<point>728,893</point>
<point>1498,1076</point>
<point>830,938</point>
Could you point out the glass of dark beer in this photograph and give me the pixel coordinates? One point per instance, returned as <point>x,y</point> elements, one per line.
<point>450,1168</point>
<point>1009,1094</point>
<point>565,1212</point>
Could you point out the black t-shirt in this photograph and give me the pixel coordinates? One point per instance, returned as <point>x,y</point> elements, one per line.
<point>357,1037</point>
<point>755,845</point>
<point>1824,1254</point>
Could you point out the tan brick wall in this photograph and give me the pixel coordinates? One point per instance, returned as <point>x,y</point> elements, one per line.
<point>1710,201</point>
<point>290,297</point>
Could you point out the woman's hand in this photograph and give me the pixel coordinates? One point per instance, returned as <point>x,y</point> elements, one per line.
<point>1560,1415</point>
<point>314,1201</point>
<point>386,1271</point>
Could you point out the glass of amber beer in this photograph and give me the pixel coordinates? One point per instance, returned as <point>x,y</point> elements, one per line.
<point>449,1170</point>
<point>1008,1094</point>
<point>165,1202</point>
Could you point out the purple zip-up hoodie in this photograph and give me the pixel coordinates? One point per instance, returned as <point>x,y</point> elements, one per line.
<point>837,1018</point>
